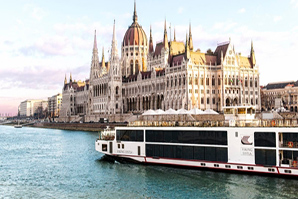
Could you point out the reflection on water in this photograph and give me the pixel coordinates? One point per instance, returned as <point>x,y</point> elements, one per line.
<point>46,163</point>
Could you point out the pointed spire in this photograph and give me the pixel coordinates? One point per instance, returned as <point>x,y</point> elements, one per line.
<point>187,54</point>
<point>165,36</point>
<point>150,41</point>
<point>103,57</point>
<point>70,78</point>
<point>174,34</point>
<point>135,16</point>
<point>95,42</point>
<point>252,55</point>
<point>114,51</point>
<point>190,38</point>
<point>65,80</point>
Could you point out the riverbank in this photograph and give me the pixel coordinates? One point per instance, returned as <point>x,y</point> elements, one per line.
<point>94,127</point>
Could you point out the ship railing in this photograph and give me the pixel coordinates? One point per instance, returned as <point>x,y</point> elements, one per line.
<point>237,123</point>
<point>107,134</point>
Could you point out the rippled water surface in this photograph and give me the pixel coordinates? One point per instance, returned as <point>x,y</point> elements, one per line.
<point>46,163</point>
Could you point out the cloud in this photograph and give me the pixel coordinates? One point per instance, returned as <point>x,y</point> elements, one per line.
<point>49,46</point>
<point>294,3</point>
<point>36,12</point>
<point>277,18</point>
<point>180,10</point>
<point>224,26</point>
<point>242,10</point>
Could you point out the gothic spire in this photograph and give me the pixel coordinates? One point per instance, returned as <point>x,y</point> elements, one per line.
<point>95,42</point>
<point>190,38</point>
<point>187,53</point>
<point>252,55</point>
<point>165,37</point>
<point>65,80</point>
<point>114,51</point>
<point>174,34</point>
<point>70,78</point>
<point>103,58</point>
<point>135,16</point>
<point>150,41</point>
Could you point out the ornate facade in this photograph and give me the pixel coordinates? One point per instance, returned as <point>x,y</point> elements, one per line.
<point>170,75</point>
<point>280,94</point>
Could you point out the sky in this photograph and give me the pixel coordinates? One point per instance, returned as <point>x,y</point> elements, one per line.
<point>42,41</point>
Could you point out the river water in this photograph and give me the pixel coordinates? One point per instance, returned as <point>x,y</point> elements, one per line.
<point>47,163</point>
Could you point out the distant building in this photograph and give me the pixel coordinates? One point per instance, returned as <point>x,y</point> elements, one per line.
<point>54,105</point>
<point>171,74</point>
<point>280,94</point>
<point>74,99</point>
<point>33,108</point>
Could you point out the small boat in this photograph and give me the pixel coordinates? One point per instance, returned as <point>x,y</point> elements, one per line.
<point>18,125</point>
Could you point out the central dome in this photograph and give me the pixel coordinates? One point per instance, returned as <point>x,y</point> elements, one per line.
<point>135,35</point>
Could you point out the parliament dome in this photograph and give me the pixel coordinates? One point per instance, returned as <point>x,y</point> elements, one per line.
<point>135,35</point>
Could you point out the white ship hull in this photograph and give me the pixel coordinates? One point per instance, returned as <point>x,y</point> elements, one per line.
<point>242,151</point>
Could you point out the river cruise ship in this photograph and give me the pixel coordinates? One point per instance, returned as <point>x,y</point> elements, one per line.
<point>268,149</point>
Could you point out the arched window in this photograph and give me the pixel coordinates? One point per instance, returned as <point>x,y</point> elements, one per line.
<point>131,67</point>
<point>137,67</point>
<point>117,90</point>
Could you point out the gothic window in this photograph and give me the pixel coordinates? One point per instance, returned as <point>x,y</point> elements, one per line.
<point>167,82</point>
<point>237,80</point>
<point>213,100</point>
<point>219,81</point>
<point>202,80</point>
<point>175,81</point>
<point>179,80</point>
<point>213,81</point>
<point>196,80</point>
<point>207,81</point>
<point>246,83</point>
<point>184,80</point>
<point>202,100</point>
<point>250,82</point>
<point>131,67</point>
<point>189,80</point>
<point>256,82</point>
<point>137,67</point>
<point>171,81</point>
<point>226,80</point>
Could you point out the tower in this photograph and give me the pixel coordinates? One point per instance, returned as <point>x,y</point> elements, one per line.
<point>115,83</point>
<point>252,55</point>
<point>94,71</point>
<point>190,39</point>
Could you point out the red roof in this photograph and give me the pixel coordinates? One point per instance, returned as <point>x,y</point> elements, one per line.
<point>135,35</point>
<point>221,48</point>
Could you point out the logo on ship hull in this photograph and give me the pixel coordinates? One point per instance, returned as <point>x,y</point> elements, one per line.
<point>245,141</point>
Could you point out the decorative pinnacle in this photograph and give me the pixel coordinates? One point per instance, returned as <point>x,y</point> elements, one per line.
<point>135,16</point>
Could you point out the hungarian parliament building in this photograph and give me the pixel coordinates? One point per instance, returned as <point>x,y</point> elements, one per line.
<point>170,74</point>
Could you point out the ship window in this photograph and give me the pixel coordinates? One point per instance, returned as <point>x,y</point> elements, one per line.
<point>187,137</point>
<point>236,134</point>
<point>265,157</point>
<point>203,164</point>
<point>250,168</point>
<point>228,166</point>
<point>216,165</point>
<point>187,152</point>
<point>122,146</point>
<point>239,167</point>
<point>288,171</point>
<point>104,147</point>
<point>265,139</point>
<point>130,135</point>
<point>118,146</point>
